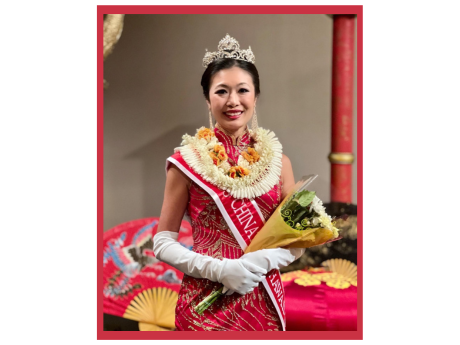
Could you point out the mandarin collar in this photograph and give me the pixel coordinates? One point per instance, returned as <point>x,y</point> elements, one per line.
<point>231,140</point>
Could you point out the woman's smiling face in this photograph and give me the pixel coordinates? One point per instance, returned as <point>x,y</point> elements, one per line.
<point>232,99</point>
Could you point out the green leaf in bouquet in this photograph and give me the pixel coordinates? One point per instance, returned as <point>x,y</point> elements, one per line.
<point>298,216</point>
<point>297,211</point>
<point>306,197</point>
<point>291,204</point>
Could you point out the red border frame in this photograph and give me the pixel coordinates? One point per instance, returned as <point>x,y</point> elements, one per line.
<point>310,335</point>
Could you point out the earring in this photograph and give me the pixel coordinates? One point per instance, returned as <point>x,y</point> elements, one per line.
<point>210,120</point>
<point>254,124</point>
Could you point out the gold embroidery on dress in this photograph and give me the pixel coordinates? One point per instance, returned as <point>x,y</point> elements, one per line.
<point>213,237</point>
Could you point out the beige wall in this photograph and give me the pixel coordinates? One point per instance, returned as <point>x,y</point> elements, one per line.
<point>155,97</point>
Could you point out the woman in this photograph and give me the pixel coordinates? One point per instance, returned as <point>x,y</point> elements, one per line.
<point>229,180</point>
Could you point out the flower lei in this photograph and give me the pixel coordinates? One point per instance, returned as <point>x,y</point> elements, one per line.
<point>258,169</point>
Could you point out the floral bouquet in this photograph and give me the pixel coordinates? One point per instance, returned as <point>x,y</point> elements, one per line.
<point>300,221</point>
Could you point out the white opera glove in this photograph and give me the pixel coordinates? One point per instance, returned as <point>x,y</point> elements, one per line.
<point>237,275</point>
<point>297,252</point>
<point>273,258</point>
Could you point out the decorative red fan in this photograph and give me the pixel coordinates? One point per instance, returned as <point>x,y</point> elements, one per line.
<point>136,285</point>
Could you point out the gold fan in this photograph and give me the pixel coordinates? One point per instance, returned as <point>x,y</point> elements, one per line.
<point>151,327</point>
<point>154,309</point>
<point>346,272</point>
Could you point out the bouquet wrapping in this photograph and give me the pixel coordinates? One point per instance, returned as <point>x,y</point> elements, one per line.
<point>299,221</point>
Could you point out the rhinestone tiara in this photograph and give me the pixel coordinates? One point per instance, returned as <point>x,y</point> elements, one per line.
<point>229,48</point>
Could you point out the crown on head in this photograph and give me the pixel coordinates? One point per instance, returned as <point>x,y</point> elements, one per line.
<point>229,48</point>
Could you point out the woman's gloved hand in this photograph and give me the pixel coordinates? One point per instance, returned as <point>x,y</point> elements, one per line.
<point>240,276</point>
<point>235,274</point>
<point>273,258</point>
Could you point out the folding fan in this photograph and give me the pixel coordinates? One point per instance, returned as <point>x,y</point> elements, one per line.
<point>344,269</point>
<point>322,299</point>
<point>136,285</point>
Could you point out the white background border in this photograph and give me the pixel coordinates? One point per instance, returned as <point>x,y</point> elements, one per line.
<point>48,175</point>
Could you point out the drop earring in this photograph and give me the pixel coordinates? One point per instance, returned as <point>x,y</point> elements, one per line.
<point>254,124</point>
<point>210,120</point>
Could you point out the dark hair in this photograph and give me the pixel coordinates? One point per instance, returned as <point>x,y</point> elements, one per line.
<point>221,64</point>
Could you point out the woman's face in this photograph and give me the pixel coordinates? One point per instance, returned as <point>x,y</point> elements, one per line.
<point>232,98</point>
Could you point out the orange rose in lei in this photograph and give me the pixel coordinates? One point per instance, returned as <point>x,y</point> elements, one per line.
<point>222,155</point>
<point>218,155</point>
<point>251,156</point>
<point>215,159</point>
<point>238,171</point>
<point>232,172</point>
<point>255,156</point>
<point>247,157</point>
<point>206,133</point>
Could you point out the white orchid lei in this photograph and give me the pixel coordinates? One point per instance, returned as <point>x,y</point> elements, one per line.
<point>257,177</point>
